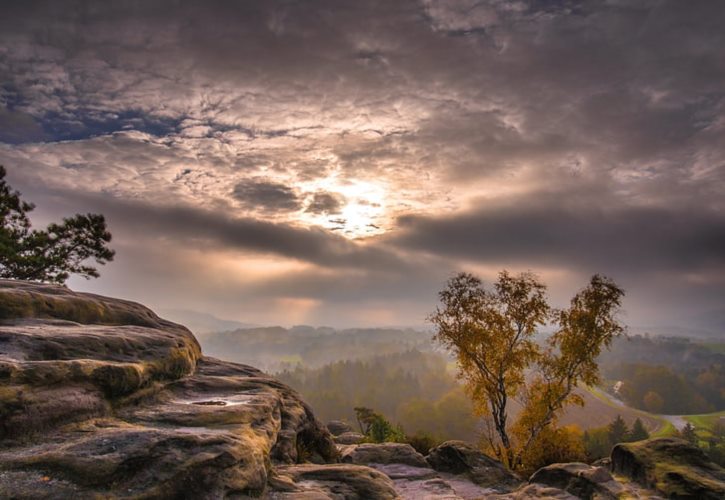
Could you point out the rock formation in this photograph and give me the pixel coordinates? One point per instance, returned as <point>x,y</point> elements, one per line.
<point>673,467</point>
<point>101,398</point>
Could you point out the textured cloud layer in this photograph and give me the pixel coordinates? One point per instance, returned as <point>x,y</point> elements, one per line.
<point>353,154</point>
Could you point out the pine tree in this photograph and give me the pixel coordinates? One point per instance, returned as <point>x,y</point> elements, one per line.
<point>51,255</point>
<point>638,431</point>
<point>618,430</point>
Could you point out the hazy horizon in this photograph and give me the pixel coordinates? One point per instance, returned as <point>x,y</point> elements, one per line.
<point>333,163</point>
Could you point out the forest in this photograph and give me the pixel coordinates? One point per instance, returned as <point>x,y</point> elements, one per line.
<point>414,389</point>
<point>672,376</point>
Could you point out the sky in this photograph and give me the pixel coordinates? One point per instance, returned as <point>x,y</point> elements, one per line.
<point>334,162</point>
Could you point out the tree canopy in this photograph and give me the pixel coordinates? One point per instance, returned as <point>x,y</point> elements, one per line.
<point>492,334</point>
<point>53,254</point>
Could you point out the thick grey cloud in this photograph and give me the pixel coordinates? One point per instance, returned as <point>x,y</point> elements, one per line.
<point>265,195</point>
<point>370,139</point>
<point>584,236</point>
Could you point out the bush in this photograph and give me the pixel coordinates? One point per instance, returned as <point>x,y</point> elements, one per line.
<point>423,442</point>
<point>554,445</point>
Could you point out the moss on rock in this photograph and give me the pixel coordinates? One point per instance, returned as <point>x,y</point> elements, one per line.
<point>671,466</point>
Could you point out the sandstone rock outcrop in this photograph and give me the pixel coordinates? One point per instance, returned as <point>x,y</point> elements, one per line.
<point>100,396</point>
<point>582,480</point>
<point>383,453</point>
<point>349,438</point>
<point>333,481</point>
<point>411,475</point>
<point>338,427</point>
<point>459,458</point>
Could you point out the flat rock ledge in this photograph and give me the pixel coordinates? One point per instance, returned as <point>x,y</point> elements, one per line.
<point>100,397</point>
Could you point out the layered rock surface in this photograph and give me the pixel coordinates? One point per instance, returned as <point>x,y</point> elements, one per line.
<point>101,397</point>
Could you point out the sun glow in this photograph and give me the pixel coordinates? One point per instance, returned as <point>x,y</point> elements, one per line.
<point>363,208</point>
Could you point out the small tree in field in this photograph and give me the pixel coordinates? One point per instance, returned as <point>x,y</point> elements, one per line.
<point>492,334</point>
<point>618,431</point>
<point>51,255</point>
<point>638,431</point>
<point>688,433</point>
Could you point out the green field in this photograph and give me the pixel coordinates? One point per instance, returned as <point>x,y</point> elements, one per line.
<point>706,421</point>
<point>704,424</point>
<point>665,429</point>
<point>715,346</point>
<point>659,426</point>
<point>599,410</point>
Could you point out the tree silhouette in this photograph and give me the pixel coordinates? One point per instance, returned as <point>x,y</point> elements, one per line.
<point>638,431</point>
<point>51,255</point>
<point>618,431</point>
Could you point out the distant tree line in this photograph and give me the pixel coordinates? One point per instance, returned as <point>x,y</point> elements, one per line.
<point>660,389</point>
<point>413,389</point>
<point>673,376</point>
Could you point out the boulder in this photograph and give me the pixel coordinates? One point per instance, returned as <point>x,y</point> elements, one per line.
<point>428,489</point>
<point>582,480</point>
<point>457,457</point>
<point>338,481</point>
<point>349,438</point>
<point>102,398</point>
<point>671,466</point>
<point>534,492</point>
<point>338,427</point>
<point>383,453</point>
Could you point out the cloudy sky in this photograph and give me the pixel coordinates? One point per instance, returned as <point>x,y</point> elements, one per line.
<point>333,162</point>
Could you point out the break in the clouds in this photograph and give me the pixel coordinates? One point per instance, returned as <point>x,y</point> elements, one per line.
<point>333,162</point>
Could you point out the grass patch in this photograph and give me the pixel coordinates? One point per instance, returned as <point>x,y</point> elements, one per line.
<point>706,421</point>
<point>666,429</point>
<point>718,347</point>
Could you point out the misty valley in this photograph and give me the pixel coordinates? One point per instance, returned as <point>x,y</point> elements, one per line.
<point>665,382</point>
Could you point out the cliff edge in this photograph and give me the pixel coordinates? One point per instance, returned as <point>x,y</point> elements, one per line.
<point>100,397</point>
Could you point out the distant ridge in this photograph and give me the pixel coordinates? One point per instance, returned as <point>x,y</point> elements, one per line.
<point>199,322</point>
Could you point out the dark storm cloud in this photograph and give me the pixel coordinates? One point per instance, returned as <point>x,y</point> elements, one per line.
<point>587,238</point>
<point>17,127</point>
<point>265,195</point>
<point>191,226</point>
